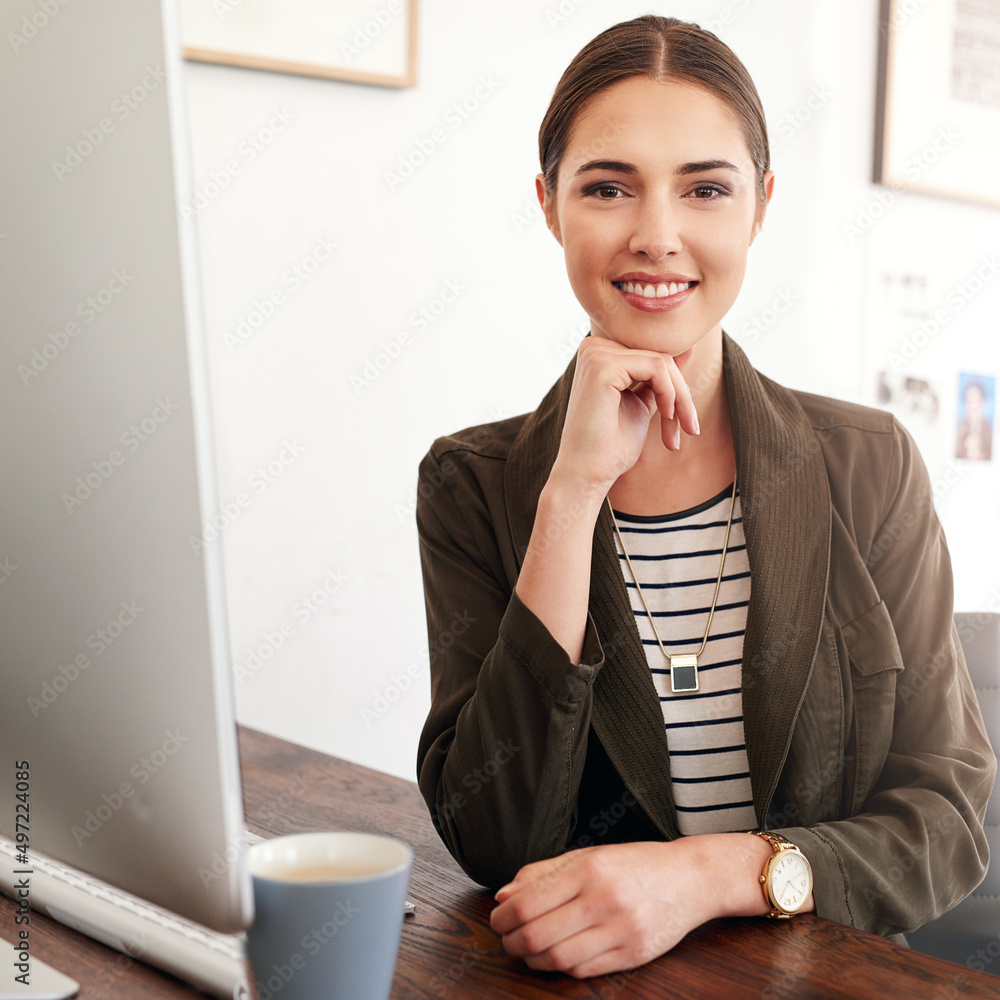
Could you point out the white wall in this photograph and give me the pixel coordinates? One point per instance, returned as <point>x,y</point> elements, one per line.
<point>334,516</point>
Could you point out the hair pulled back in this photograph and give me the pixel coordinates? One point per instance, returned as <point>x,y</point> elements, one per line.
<point>662,48</point>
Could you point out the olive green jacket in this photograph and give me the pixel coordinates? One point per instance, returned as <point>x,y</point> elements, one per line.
<point>864,737</point>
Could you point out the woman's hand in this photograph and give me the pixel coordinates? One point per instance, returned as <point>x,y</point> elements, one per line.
<point>602,909</point>
<point>616,392</point>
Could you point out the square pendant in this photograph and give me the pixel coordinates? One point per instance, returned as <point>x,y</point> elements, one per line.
<point>684,672</point>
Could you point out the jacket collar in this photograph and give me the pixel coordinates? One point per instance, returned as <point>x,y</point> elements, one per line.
<point>785,500</point>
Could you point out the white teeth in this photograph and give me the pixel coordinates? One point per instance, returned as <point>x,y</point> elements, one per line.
<point>661,291</point>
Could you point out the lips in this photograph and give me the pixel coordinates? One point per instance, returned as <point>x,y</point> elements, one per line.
<point>655,292</point>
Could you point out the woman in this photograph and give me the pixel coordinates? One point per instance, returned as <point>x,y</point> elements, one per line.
<point>604,730</point>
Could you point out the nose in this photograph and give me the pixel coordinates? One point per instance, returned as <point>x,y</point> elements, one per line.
<point>656,233</point>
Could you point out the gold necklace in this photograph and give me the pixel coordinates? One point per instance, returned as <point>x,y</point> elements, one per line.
<point>683,666</point>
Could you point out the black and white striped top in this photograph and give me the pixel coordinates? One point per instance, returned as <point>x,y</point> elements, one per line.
<point>676,557</point>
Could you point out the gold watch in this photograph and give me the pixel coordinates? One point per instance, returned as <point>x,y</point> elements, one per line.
<point>787,879</point>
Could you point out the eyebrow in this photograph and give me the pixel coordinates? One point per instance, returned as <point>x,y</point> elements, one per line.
<point>683,170</point>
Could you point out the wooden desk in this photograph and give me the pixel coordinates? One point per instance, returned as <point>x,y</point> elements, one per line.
<point>448,949</point>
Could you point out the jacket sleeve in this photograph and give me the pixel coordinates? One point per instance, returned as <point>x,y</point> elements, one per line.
<point>916,846</point>
<point>503,748</point>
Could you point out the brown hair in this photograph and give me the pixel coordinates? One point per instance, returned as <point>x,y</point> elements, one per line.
<point>662,48</point>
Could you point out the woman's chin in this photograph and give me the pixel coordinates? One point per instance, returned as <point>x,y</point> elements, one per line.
<point>681,349</point>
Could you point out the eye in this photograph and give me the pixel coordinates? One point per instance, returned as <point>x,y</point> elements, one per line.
<point>709,192</point>
<point>605,191</point>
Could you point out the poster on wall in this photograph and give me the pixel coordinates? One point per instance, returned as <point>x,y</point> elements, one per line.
<point>938,104</point>
<point>974,434</point>
<point>353,40</point>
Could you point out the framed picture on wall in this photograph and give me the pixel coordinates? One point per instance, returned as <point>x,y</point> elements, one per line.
<point>938,102</point>
<point>360,41</point>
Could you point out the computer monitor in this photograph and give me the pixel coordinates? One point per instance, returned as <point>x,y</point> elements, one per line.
<point>116,713</point>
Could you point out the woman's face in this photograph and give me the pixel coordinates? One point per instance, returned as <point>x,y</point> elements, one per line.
<point>974,400</point>
<point>656,188</point>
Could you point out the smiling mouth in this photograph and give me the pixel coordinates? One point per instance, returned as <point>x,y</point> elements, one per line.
<point>649,291</point>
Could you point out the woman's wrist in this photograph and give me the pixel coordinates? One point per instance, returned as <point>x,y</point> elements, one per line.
<point>554,582</point>
<point>744,857</point>
<point>567,492</point>
<point>727,869</point>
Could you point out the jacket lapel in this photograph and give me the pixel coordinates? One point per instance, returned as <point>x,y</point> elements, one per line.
<point>786,519</point>
<point>626,712</point>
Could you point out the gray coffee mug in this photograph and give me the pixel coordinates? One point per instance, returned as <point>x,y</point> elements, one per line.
<point>328,915</point>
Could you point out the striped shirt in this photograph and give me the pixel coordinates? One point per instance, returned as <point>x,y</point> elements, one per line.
<point>676,558</point>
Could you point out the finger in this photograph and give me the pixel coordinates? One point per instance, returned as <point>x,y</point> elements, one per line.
<point>506,891</point>
<point>685,408</point>
<point>644,392</point>
<point>537,937</point>
<point>670,433</point>
<point>612,960</point>
<point>592,948</point>
<point>536,890</point>
<point>674,400</point>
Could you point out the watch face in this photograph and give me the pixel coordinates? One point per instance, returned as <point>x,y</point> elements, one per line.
<point>790,881</point>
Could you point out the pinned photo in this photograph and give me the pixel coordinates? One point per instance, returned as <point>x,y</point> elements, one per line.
<point>976,395</point>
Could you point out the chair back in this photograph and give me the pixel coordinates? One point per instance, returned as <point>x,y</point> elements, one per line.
<point>971,931</point>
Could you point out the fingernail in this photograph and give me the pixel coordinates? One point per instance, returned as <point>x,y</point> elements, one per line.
<point>697,426</point>
<point>677,439</point>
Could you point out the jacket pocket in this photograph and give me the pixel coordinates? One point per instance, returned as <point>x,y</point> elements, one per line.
<point>875,665</point>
